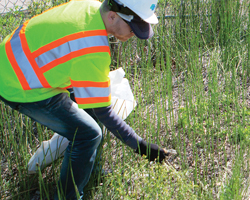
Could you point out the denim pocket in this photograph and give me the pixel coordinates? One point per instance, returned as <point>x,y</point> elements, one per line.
<point>68,104</point>
<point>24,110</point>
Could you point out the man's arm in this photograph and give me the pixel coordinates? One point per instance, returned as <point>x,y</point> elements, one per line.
<point>117,126</point>
<point>127,135</point>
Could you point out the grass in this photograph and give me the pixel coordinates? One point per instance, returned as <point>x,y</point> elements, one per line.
<point>191,83</point>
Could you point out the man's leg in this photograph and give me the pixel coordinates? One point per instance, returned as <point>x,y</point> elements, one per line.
<point>97,168</point>
<point>63,116</point>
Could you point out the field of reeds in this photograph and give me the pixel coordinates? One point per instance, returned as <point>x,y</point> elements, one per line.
<point>192,87</point>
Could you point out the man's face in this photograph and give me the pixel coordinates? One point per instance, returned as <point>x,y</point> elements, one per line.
<point>121,30</point>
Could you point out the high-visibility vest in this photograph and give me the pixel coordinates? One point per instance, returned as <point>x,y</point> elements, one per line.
<point>66,46</point>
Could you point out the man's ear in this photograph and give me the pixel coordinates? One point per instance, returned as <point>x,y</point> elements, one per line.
<point>112,17</point>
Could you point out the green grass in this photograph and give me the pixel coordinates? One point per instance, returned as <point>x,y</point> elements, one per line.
<point>191,83</point>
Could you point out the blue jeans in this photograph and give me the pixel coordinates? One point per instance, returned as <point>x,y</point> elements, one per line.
<point>62,115</point>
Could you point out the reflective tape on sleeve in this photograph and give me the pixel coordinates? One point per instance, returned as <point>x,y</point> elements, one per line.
<point>87,92</point>
<point>90,92</point>
<point>94,100</point>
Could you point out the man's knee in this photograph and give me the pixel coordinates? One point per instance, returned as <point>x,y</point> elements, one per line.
<point>93,136</point>
<point>98,134</point>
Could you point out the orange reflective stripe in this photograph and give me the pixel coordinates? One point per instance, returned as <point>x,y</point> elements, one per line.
<point>31,59</point>
<point>81,52</point>
<point>90,84</point>
<point>93,100</point>
<point>67,38</point>
<point>15,66</point>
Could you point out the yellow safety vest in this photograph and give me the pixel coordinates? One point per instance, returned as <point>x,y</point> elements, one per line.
<point>66,46</point>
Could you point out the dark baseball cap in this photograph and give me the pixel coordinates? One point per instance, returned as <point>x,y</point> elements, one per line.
<point>141,29</point>
<point>140,26</point>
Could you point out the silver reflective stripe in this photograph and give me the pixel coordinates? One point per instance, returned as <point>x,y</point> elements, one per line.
<point>71,46</point>
<point>23,61</point>
<point>86,92</point>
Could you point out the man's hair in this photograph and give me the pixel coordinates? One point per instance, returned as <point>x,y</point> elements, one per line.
<point>109,5</point>
<point>105,6</point>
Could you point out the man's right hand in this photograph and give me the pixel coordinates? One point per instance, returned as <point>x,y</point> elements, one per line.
<point>153,151</point>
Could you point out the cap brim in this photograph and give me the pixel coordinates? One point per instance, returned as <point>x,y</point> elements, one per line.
<point>141,29</point>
